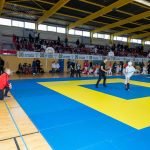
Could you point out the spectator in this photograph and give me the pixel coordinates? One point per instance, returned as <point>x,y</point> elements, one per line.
<point>68,65</point>
<point>38,65</point>
<point>78,69</point>
<point>111,53</point>
<point>34,67</point>
<point>148,55</point>
<point>57,65</point>
<point>144,70</point>
<point>53,67</point>
<point>72,67</point>
<point>148,67</point>
<point>77,42</point>
<point>20,69</point>
<point>2,63</point>
<point>5,86</point>
<point>58,40</point>
<point>66,41</point>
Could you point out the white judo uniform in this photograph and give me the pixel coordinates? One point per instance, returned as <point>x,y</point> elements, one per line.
<point>129,71</point>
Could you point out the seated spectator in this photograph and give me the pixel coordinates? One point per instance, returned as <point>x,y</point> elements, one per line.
<point>111,53</point>
<point>148,55</point>
<point>53,67</point>
<point>144,70</point>
<point>57,65</point>
<point>20,69</point>
<point>109,72</point>
<point>50,50</point>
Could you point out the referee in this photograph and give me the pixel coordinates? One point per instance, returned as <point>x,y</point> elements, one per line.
<point>102,74</point>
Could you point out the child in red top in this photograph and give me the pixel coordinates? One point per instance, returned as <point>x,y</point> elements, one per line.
<point>5,86</point>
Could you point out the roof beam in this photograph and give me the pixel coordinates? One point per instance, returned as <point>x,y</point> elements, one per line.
<point>2,2</point>
<point>143,35</point>
<point>133,30</point>
<point>52,10</point>
<point>147,39</point>
<point>101,12</point>
<point>124,21</point>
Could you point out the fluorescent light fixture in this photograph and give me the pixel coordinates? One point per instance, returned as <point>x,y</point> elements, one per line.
<point>144,2</point>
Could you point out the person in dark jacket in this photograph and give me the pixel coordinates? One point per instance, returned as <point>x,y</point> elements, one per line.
<point>2,63</point>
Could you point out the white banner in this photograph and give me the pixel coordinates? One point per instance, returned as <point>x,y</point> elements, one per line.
<point>27,54</point>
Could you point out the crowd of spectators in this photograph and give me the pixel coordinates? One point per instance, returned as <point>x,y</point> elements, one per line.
<point>35,68</point>
<point>40,45</point>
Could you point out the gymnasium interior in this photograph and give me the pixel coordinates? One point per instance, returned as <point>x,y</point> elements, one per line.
<point>55,50</point>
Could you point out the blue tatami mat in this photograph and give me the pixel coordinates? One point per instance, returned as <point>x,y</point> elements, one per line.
<point>69,125</point>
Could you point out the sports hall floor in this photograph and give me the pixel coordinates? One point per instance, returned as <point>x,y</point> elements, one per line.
<point>60,113</point>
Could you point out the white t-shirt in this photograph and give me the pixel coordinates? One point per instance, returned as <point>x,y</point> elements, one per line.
<point>53,66</point>
<point>57,65</point>
<point>111,54</point>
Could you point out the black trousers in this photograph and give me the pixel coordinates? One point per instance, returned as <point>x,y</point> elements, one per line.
<point>4,92</point>
<point>72,73</point>
<point>101,75</point>
<point>78,73</point>
<point>1,69</point>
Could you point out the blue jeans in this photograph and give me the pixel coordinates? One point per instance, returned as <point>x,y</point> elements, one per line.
<point>4,92</point>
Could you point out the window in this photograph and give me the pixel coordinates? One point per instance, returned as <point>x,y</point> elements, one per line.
<point>52,28</point>
<point>61,30</point>
<point>42,27</point>
<point>115,37</point>
<point>136,41</point>
<point>95,35</point>
<point>124,39</point>
<point>29,25</point>
<point>101,36</point>
<point>6,22</point>
<point>72,31</point>
<point>139,41</point>
<point>17,23</point>
<point>106,36</point>
<point>118,38</point>
<point>85,33</point>
<point>78,32</point>
<point>147,42</point>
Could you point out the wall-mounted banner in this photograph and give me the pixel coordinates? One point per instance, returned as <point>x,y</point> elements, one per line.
<point>27,54</point>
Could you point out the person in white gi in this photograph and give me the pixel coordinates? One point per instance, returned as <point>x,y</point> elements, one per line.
<point>129,71</point>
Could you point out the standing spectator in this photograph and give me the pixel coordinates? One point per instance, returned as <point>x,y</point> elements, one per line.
<point>2,63</point>
<point>34,67</point>
<point>38,65</point>
<point>72,67</point>
<point>68,65</point>
<point>78,69</point>
<point>148,67</point>
<point>58,40</point>
<point>121,66</point>
<point>66,41</point>
<point>5,86</point>
<point>77,42</point>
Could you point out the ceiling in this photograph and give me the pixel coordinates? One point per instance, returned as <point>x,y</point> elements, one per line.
<point>118,17</point>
